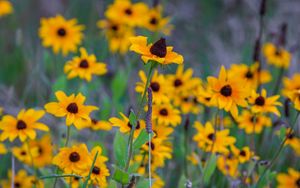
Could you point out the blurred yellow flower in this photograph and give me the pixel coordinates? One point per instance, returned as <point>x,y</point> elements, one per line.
<point>84,66</point>
<point>72,107</point>
<point>253,123</point>
<point>263,104</point>
<point>166,114</point>
<point>75,159</point>
<point>289,180</point>
<point>228,93</point>
<point>228,165</point>
<point>291,89</point>
<point>158,52</point>
<point>61,34</point>
<point>5,8</point>
<point>117,34</point>
<point>211,140</point>
<point>125,126</point>
<point>276,56</point>
<point>3,149</point>
<point>243,155</point>
<point>23,126</point>
<point>193,158</point>
<point>126,12</point>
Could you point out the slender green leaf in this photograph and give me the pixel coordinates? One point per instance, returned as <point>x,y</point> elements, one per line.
<point>120,176</point>
<point>209,168</point>
<point>120,149</point>
<point>141,139</point>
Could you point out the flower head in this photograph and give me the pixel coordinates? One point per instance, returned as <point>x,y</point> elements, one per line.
<point>158,52</point>
<point>72,107</point>
<point>166,114</point>
<point>23,126</point>
<point>291,89</point>
<point>276,56</point>
<point>61,34</point>
<point>5,8</point>
<point>253,123</point>
<point>290,180</point>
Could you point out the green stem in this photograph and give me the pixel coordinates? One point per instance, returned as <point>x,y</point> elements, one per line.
<point>91,170</point>
<point>276,155</point>
<point>59,176</point>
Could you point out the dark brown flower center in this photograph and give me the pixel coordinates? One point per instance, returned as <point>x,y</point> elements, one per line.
<point>72,108</point>
<point>94,121</point>
<point>226,90</point>
<point>243,153</point>
<point>207,98</point>
<point>138,126</point>
<point>151,145</point>
<point>185,99</point>
<point>153,21</point>
<point>249,75</point>
<point>61,32</point>
<point>159,48</point>
<point>155,86</point>
<point>76,178</point>
<point>23,152</point>
<point>278,52</point>
<point>21,125</point>
<point>114,27</point>
<point>195,100</point>
<point>163,112</point>
<point>260,101</point>
<point>290,136</point>
<point>96,170</point>
<point>84,64</point>
<point>177,82</point>
<point>253,119</point>
<point>17,184</point>
<point>298,182</point>
<point>74,157</point>
<point>128,11</point>
<point>40,150</point>
<point>211,136</point>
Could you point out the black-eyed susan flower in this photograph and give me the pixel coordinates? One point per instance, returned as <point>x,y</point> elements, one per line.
<point>252,123</point>
<point>263,104</point>
<point>182,81</point>
<point>158,181</point>
<point>276,56</point>
<point>291,89</point>
<point>99,171</point>
<point>84,66</point>
<point>187,102</point>
<point>61,34</point>
<point>126,12</point>
<point>161,131</point>
<point>289,180</point>
<point>125,126</point>
<point>5,8</point>
<point>158,84</point>
<point>3,149</point>
<point>41,151</point>
<point>72,107</point>
<point>22,154</point>
<point>155,22</point>
<point>158,52</point>
<point>23,126</point>
<point>75,159</point>
<point>228,165</point>
<point>21,180</point>
<point>243,155</point>
<point>74,182</point>
<point>211,140</point>
<point>228,93</point>
<point>251,74</point>
<point>166,114</point>
<point>117,35</point>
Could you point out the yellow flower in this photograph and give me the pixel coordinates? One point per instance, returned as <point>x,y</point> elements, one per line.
<point>243,155</point>
<point>160,151</point>
<point>117,34</point>
<point>193,158</point>
<point>166,114</point>
<point>3,149</point>
<point>125,126</point>
<point>75,182</point>
<point>158,84</point>
<point>21,180</point>
<point>21,153</point>
<point>126,12</point>
<point>23,126</point>
<point>251,74</point>
<point>263,104</point>
<point>5,8</point>
<point>100,171</point>
<point>75,159</point>
<point>228,165</point>
<point>155,22</point>
<point>61,34</point>
<point>95,125</point>
<point>160,131</point>
<point>84,66</point>
<point>289,180</point>
<point>253,123</point>
<point>228,93</point>
<point>291,89</point>
<point>188,102</point>
<point>41,151</point>
<point>211,140</point>
<point>71,107</point>
<point>159,51</point>
<point>157,181</point>
<point>276,56</point>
